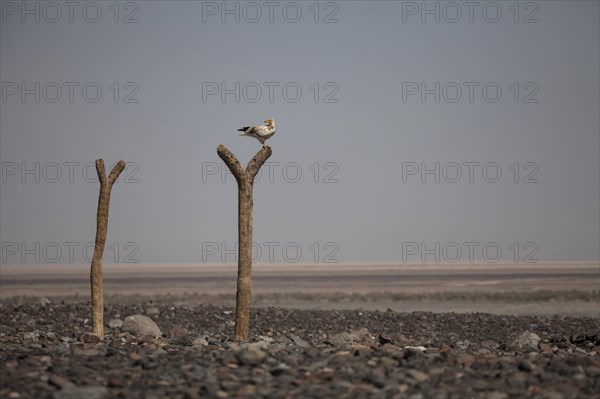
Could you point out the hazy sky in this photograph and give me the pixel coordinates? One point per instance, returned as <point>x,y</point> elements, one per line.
<point>399,138</point>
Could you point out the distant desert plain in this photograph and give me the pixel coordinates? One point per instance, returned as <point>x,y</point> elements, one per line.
<point>545,288</point>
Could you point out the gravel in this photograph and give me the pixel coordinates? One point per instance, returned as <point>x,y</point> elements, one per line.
<point>47,350</point>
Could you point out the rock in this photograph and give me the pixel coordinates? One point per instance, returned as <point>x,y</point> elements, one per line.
<point>200,342</point>
<point>159,352</point>
<point>463,345</point>
<point>346,339</point>
<point>184,340</point>
<point>90,338</point>
<point>85,352</point>
<point>60,382</point>
<point>299,341</point>
<point>466,360</point>
<point>141,326</point>
<point>518,379</point>
<point>580,351</point>
<point>294,360</point>
<point>252,354</point>
<point>265,338</point>
<point>115,323</point>
<point>62,348</point>
<point>547,348</point>
<point>525,365</point>
<point>152,310</point>
<point>360,335</point>
<point>178,331</point>
<point>528,341</point>
<point>488,344</point>
<point>88,392</point>
<point>45,302</point>
<point>416,348</point>
<point>32,336</point>
<point>279,369</point>
<point>593,371</point>
<point>340,339</point>
<point>383,339</point>
<point>417,375</point>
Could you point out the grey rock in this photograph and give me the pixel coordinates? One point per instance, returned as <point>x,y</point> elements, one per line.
<point>360,335</point>
<point>528,341</point>
<point>252,354</point>
<point>85,352</point>
<point>32,336</point>
<point>279,369</point>
<point>200,342</point>
<point>185,340</point>
<point>525,365</point>
<point>340,339</point>
<point>178,331</point>
<point>115,323</point>
<point>152,310</point>
<point>299,341</point>
<point>417,375</point>
<point>88,392</point>
<point>159,352</point>
<point>62,348</point>
<point>60,382</point>
<point>141,326</point>
<point>345,339</point>
<point>90,338</point>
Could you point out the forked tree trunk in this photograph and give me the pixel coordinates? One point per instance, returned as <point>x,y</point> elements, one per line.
<point>106,184</point>
<point>245,180</point>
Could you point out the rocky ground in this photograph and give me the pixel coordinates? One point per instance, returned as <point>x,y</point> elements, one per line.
<point>47,351</point>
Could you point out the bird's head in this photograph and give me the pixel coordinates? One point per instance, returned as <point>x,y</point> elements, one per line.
<point>270,122</point>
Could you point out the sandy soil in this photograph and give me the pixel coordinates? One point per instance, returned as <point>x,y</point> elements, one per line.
<point>313,286</point>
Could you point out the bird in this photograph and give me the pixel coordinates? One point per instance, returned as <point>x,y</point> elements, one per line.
<point>261,133</point>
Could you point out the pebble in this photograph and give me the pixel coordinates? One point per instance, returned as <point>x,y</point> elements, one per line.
<point>115,323</point>
<point>90,337</point>
<point>528,340</point>
<point>178,331</point>
<point>87,392</point>
<point>252,354</point>
<point>60,382</point>
<point>295,353</point>
<point>152,310</point>
<point>200,342</point>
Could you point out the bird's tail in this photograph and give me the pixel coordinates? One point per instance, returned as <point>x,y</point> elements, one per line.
<point>243,130</point>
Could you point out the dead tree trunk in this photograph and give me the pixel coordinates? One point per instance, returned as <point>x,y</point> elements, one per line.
<point>101,229</point>
<point>245,180</point>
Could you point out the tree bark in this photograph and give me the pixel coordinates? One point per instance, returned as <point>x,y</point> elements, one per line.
<point>245,180</point>
<point>106,184</point>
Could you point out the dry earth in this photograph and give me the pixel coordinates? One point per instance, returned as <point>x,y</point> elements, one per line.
<point>565,288</point>
<point>335,331</point>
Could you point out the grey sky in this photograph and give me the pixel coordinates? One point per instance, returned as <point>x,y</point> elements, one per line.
<point>356,129</point>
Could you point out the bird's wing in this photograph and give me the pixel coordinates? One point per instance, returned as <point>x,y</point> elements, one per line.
<point>261,130</point>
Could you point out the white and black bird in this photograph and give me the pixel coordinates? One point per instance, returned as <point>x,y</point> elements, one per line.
<point>261,133</point>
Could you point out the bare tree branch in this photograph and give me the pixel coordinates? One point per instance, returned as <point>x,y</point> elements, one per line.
<point>106,184</point>
<point>245,180</point>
